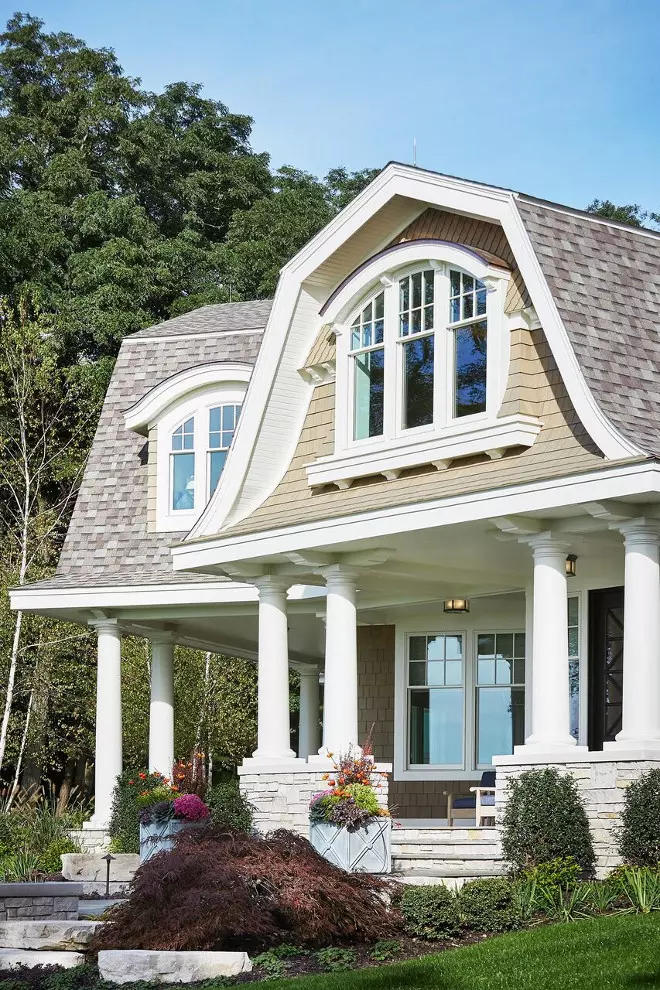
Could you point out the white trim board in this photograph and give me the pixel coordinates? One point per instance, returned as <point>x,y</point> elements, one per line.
<point>616,482</point>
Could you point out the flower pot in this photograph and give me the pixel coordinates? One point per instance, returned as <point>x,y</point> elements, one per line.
<point>159,836</point>
<point>366,850</point>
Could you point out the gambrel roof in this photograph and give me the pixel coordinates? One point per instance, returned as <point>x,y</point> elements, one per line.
<point>108,542</point>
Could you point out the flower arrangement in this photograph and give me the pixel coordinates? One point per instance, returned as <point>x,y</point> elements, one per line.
<point>178,798</point>
<point>351,798</point>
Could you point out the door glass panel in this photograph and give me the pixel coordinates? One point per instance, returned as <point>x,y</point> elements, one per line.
<point>574,665</point>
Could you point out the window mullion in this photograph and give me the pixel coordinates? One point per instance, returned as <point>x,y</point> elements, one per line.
<point>442,349</point>
<point>393,377</point>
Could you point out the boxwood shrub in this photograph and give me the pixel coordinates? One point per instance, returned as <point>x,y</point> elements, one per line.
<point>545,820</point>
<point>487,905</point>
<point>639,835</point>
<point>430,912</point>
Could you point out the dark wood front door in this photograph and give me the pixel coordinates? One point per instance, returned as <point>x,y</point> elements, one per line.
<point>605,665</point>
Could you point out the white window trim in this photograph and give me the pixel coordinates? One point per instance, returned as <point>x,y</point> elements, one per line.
<point>448,437</point>
<point>198,405</point>
<point>402,768</point>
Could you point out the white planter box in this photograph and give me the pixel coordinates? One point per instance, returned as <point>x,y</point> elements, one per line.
<point>159,836</point>
<point>366,850</point>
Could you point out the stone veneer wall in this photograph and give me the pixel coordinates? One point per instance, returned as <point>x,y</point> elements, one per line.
<point>51,901</point>
<point>281,798</point>
<point>602,785</point>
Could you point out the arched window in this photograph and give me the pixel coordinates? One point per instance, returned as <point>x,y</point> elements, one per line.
<point>417,349</point>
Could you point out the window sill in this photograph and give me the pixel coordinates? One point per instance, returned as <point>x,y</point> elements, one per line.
<point>437,773</point>
<point>393,457</point>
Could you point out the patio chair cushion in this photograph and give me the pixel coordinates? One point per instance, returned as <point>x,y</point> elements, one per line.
<point>471,801</point>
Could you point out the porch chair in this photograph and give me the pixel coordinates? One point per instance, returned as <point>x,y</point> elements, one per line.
<point>481,806</point>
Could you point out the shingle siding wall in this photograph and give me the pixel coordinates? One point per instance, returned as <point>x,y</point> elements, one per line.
<point>563,447</point>
<point>408,798</point>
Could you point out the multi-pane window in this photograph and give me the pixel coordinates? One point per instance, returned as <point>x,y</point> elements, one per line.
<point>416,322</point>
<point>574,664</point>
<point>435,699</point>
<point>500,694</point>
<point>468,324</point>
<point>222,425</point>
<point>182,466</point>
<point>368,357</point>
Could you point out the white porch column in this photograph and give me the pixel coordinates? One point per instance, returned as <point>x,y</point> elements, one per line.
<point>340,705</point>
<point>550,687</point>
<point>108,753</point>
<point>308,726</point>
<point>640,727</point>
<point>161,708</point>
<point>273,725</point>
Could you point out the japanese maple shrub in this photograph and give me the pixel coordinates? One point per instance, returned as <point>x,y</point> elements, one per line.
<point>545,820</point>
<point>217,890</point>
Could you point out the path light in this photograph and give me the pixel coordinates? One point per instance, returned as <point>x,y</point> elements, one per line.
<point>457,605</point>
<point>570,565</point>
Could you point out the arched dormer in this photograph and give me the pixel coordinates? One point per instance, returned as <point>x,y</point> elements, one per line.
<point>190,419</point>
<point>422,362</point>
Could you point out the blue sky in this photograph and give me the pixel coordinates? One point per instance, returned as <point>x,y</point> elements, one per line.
<point>559,98</point>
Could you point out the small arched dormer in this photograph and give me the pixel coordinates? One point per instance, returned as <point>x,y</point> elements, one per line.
<point>190,420</point>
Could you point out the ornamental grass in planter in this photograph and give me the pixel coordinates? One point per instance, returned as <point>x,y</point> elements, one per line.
<point>347,823</point>
<point>216,890</point>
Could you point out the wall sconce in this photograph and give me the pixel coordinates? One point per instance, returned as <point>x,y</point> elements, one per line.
<point>570,565</point>
<point>457,605</point>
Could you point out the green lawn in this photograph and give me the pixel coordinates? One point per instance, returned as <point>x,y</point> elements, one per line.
<point>615,953</point>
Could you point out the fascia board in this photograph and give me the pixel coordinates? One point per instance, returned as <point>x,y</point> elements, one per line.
<point>35,599</point>
<point>616,482</point>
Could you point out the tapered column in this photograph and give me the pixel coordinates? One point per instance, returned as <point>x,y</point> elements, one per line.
<point>340,704</point>
<point>273,726</point>
<point>108,754</point>
<point>161,708</point>
<point>308,726</point>
<point>550,686</point>
<point>640,727</point>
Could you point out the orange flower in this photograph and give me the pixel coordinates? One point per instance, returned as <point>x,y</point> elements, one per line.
<point>130,783</point>
<point>142,776</point>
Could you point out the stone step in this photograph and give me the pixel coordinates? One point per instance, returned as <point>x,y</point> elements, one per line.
<point>133,965</point>
<point>466,871</point>
<point>465,849</point>
<point>450,835</point>
<point>15,958</point>
<point>449,857</point>
<point>56,936</point>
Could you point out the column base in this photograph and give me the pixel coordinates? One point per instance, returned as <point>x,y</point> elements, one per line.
<point>540,747</point>
<point>96,824</point>
<point>271,764</point>
<point>636,748</point>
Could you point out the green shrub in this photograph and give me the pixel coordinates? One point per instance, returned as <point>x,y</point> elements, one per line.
<point>487,905</point>
<point>336,960</point>
<point>230,809</point>
<point>124,826</point>
<point>560,872</point>
<point>545,820</point>
<point>430,912</point>
<point>639,835</point>
<point>386,949</point>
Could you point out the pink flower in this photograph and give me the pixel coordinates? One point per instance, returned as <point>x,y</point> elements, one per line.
<point>191,808</point>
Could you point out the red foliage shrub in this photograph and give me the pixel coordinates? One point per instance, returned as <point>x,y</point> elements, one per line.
<point>227,891</point>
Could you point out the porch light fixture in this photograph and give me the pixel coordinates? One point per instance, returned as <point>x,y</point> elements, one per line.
<point>570,565</point>
<point>457,605</point>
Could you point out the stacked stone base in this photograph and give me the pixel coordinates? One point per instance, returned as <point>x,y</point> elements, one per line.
<point>602,783</point>
<point>280,797</point>
<point>54,901</point>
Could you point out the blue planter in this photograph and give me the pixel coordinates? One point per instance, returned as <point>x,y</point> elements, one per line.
<point>159,836</point>
<point>366,850</point>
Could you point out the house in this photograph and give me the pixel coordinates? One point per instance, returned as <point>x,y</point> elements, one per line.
<point>427,473</point>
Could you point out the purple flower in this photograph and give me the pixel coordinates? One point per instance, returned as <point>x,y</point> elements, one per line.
<point>191,808</point>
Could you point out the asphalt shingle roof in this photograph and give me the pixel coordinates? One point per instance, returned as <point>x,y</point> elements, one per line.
<point>605,280</point>
<point>108,543</point>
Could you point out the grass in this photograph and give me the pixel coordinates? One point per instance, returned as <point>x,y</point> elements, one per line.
<point>617,952</point>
